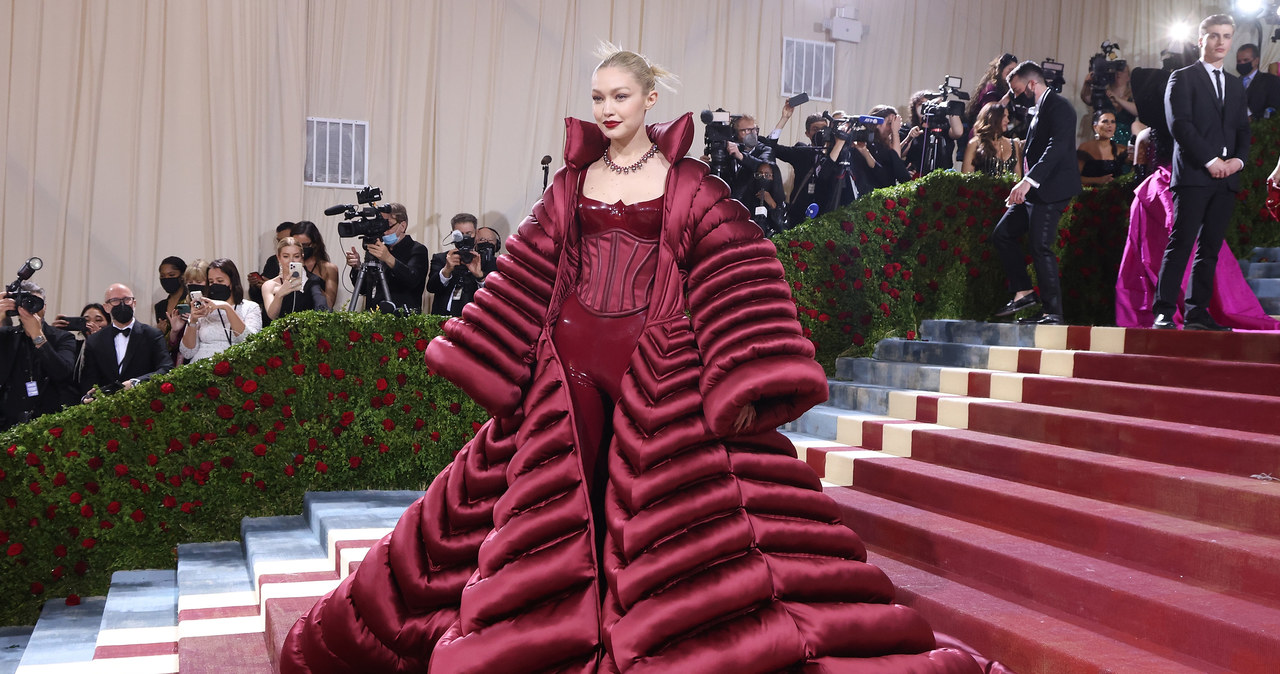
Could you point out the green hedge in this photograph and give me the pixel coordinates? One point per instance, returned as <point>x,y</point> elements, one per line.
<point>920,250</point>
<point>314,402</point>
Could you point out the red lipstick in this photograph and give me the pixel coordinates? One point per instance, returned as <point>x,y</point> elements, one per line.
<point>611,124</point>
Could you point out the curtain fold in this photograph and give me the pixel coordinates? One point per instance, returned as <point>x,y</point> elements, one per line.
<point>135,130</point>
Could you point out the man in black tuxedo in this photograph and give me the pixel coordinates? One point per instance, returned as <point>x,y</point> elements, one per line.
<point>452,282</point>
<point>126,352</point>
<point>1207,114</point>
<point>1261,88</point>
<point>1051,176</point>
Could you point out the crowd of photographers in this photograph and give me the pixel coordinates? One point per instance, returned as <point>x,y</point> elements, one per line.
<point>845,155</point>
<point>208,306</point>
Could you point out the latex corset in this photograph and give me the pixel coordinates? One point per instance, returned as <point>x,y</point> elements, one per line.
<point>619,255</point>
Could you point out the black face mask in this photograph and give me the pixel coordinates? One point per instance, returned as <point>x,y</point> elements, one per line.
<point>122,314</point>
<point>308,251</point>
<point>764,183</point>
<point>1025,99</point>
<point>195,287</point>
<point>171,284</point>
<point>218,291</point>
<point>1244,68</point>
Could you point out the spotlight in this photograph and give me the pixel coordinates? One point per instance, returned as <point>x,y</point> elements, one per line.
<point>1180,32</point>
<point>1250,8</point>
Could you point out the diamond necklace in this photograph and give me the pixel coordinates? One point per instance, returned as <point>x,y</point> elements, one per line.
<point>653,149</point>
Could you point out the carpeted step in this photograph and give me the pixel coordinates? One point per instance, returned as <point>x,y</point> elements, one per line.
<point>64,637</point>
<point>139,631</point>
<point>1198,373</point>
<point>281,614</point>
<point>1240,503</point>
<point>1230,632</point>
<point>1026,638</point>
<point>1214,557</point>
<point>240,653</point>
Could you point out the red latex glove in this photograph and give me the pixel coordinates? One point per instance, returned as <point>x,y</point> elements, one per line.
<point>1273,199</point>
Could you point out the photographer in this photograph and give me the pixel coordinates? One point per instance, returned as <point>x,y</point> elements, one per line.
<point>36,359</point>
<point>803,158</point>
<point>744,164</point>
<point>93,317</point>
<point>765,200</point>
<point>884,166</point>
<point>125,353</point>
<point>457,274</point>
<point>915,147</point>
<point>1106,88</point>
<point>404,260</point>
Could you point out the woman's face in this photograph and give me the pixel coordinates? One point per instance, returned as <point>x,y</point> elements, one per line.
<point>218,276</point>
<point>289,254</point>
<point>1004,120</point>
<point>619,103</point>
<point>1004,72</point>
<point>94,320</point>
<point>302,239</point>
<point>1105,127</point>
<point>169,271</point>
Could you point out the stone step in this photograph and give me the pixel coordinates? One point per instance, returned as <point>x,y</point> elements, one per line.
<point>216,595</point>
<point>64,637</point>
<point>1265,288</point>
<point>1264,255</point>
<point>13,643</point>
<point>976,332</point>
<point>888,373</point>
<point>1262,270</point>
<point>139,631</point>
<point>347,523</point>
<point>949,354</point>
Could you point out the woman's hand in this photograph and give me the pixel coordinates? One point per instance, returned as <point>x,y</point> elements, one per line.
<point>746,418</point>
<point>201,309</point>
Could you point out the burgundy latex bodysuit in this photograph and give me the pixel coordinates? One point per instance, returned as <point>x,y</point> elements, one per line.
<point>603,317</point>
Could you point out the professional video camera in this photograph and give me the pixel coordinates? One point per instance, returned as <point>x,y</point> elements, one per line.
<point>21,298</point>
<point>366,222</point>
<point>716,137</point>
<point>947,101</point>
<point>1103,67</point>
<point>861,129</point>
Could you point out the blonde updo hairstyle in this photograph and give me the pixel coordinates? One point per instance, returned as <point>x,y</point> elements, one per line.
<point>648,74</point>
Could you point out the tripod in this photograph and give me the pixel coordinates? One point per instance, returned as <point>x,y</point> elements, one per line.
<point>369,271</point>
<point>933,144</point>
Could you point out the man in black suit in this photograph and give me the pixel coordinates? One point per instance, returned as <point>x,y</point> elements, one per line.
<point>452,282</point>
<point>36,360</point>
<point>1206,110</point>
<point>125,353</point>
<point>404,265</point>
<point>1261,88</point>
<point>1051,176</point>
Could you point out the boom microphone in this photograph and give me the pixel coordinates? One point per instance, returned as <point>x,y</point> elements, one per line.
<point>334,210</point>
<point>546,160</point>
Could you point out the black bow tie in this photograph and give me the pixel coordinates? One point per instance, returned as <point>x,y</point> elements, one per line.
<point>121,331</point>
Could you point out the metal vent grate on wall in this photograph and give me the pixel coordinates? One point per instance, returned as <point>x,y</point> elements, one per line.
<point>808,67</point>
<point>337,153</point>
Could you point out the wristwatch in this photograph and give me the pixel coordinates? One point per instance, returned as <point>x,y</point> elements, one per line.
<point>39,340</point>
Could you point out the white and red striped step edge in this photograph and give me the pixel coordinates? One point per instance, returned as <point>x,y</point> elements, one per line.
<point>218,614</point>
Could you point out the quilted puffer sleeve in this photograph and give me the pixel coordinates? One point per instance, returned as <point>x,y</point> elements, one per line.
<point>488,351</point>
<point>744,320</point>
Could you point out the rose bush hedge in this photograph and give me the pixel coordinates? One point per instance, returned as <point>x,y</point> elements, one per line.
<point>314,402</point>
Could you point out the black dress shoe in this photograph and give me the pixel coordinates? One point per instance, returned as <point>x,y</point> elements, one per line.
<point>1042,319</point>
<point>1016,305</point>
<point>1164,322</point>
<point>1204,322</point>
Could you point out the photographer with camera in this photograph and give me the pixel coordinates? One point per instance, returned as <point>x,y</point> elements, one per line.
<point>930,143</point>
<point>884,166</point>
<point>93,317</point>
<point>1106,88</point>
<point>803,158</point>
<point>457,274</point>
<point>125,353</point>
<point>403,262</point>
<point>764,200</point>
<point>294,288</point>
<point>747,154</point>
<point>37,360</point>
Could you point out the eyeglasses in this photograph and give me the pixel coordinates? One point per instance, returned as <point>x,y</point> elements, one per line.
<point>750,129</point>
<point>117,301</point>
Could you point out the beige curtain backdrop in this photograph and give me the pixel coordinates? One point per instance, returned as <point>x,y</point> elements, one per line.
<point>136,129</point>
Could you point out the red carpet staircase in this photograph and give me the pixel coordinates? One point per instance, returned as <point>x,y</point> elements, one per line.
<point>1062,499</point>
<point>1069,499</point>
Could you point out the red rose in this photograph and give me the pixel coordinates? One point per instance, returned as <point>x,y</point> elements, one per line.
<point>169,502</point>
<point>455,408</point>
<point>911,334</point>
<point>324,370</point>
<point>889,204</point>
<point>226,411</point>
<point>152,459</point>
<point>435,436</point>
<point>56,432</point>
<point>353,336</point>
<point>88,543</point>
<point>322,467</point>
<point>403,352</point>
<point>275,362</point>
<point>323,346</point>
<point>260,370</point>
<point>858,339</point>
<point>420,345</point>
<point>37,588</point>
<point>166,388</point>
<point>388,425</point>
<point>222,368</point>
<point>354,462</point>
<point>75,498</point>
<point>187,507</point>
<point>401,379</point>
<point>807,245</point>
<point>267,400</point>
<point>86,510</point>
<point>249,406</point>
<point>33,459</point>
<point>15,549</point>
<point>113,446</point>
<point>59,479</point>
<point>113,507</point>
<point>300,369</point>
<point>288,470</point>
<point>87,430</point>
<point>249,386</point>
<point>383,448</point>
<point>339,373</point>
<point>260,450</point>
<point>347,417</point>
<point>73,600</point>
<point>138,516</point>
<point>871,216</point>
